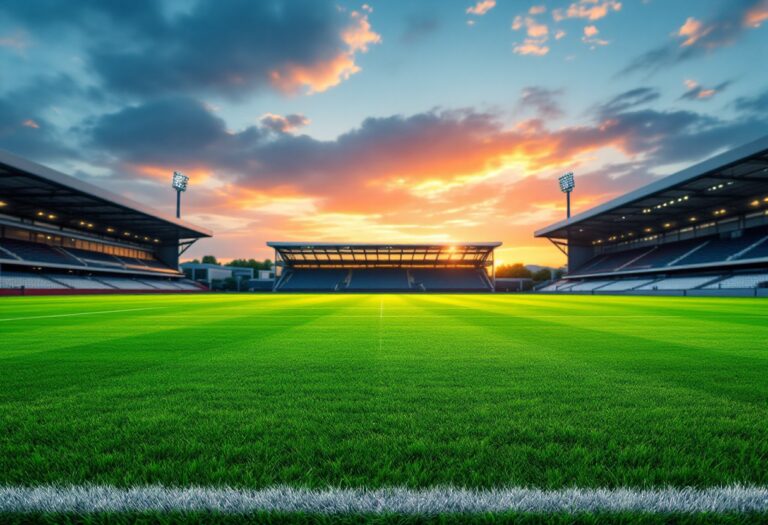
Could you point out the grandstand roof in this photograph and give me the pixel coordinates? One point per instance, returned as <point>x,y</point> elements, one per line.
<point>368,254</point>
<point>732,183</point>
<point>28,188</point>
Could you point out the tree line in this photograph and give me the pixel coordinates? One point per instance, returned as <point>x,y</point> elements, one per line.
<point>266,264</point>
<point>519,271</point>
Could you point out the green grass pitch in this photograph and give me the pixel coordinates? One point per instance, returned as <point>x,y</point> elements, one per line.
<point>383,390</point>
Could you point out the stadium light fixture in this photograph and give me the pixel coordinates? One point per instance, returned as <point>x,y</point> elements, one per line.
<point>567,184</point>
<point>179,183</point>
<point>3,203</point>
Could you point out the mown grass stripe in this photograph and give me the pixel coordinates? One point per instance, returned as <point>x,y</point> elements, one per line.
<point>89,499</point>
<point>82,313</point>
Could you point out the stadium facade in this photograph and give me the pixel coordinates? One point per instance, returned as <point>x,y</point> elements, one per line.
<point>701,231</point>
<point>60,235</point>
<point>364,267</point>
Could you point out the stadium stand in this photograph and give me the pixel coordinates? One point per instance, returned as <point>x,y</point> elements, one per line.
<point>9,280</point>
<point>378,279</point>
<point>678,283</point>
<point>313,280</point>
<point>625,284</point>
<point>701,231</point>
<point>450,280</point>
<point>357,267</point>
<point>81,283</point>
<point>740,282</point>
<point>588,286</point>
<point>61,235</point>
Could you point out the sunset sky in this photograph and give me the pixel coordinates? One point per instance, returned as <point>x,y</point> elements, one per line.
<point>403,121</point>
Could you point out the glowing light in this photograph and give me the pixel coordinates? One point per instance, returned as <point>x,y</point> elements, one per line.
<point>179,181</point>
<point>567,184</point>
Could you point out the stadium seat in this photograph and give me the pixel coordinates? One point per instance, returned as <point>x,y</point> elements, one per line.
<point>747,280</point>
<point>613,261</point>
<point>625,285</point>
<point>312,280</point>
<point>722,249</point>
<point>588,286</point>
<point>379,279</point>
<point>664,254</point>
<point>451,279</point>
<point>96,259</point>
<point>36,252</point>
<point>80,283</point>
<point>29,281</point>
<point>679,283</point>
<point>760,251</point>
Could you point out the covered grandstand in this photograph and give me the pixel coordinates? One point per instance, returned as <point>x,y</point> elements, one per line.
<point>701,231</point>
<point>362,267</point>
<point>60,235</point>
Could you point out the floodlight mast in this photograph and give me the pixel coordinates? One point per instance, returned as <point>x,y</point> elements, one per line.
<point>179,183</point>
<point>567,184</point>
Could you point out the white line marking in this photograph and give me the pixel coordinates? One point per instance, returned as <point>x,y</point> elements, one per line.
<point>381,320</point>
<point>82,313</point>
<point>431,501</point>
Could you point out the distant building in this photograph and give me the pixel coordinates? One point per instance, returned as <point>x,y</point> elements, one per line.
<point>210,273</point>
<point>513,284</point>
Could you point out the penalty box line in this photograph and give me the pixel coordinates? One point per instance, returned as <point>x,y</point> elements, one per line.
<point>94,498</point>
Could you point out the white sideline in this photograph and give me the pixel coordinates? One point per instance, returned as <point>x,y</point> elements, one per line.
<point>93,498</point>
<point>82,313</point>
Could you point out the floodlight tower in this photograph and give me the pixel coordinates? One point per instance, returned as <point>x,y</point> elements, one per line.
<point>566,186</point>
<point>179,183</point>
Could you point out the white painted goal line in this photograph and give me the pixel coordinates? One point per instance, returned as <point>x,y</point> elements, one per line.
<point>439,500</point>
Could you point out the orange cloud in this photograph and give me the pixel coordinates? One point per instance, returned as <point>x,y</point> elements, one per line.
<point>692,30</point>
<point>698,92</point>
<point>452,175</point>
<point>283,124</point>
<point>537,30</point>
<point>537,37</point>
<point>481,7</point>
<point>29,123</point>
<point>590,37</point>
<point>757,15</point>
<point>589,9</point>
<point>319,77</point>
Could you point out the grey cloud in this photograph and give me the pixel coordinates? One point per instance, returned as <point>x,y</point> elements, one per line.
<point>543,101</point>
<point>704,93</point>
<point>722,29</point>
<point>144,48</point>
